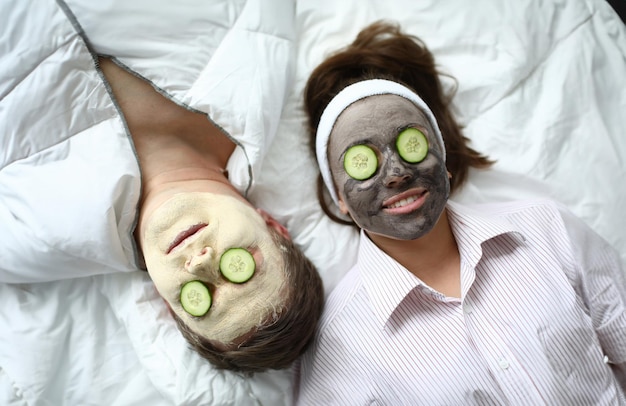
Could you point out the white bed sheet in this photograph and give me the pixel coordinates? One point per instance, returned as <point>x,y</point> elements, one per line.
<point>541,89</point>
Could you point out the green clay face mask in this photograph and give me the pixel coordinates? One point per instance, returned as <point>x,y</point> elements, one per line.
<point>184,240</point>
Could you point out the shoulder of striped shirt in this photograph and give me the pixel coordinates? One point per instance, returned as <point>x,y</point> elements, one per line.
<point>513,206</point>
<point>550,216</point>
<point>509,211</point>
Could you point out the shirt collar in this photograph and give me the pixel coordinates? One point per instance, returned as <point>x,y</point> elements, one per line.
<point>473,227</point>
<point>387,282</point>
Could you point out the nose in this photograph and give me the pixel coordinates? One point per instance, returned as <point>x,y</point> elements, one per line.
<point>198,263</point>
<point>396,173</point>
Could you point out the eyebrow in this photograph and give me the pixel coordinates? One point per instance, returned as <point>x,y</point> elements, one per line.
<point>358,142</point>
<point>404,127</point>
<point>413,125</point>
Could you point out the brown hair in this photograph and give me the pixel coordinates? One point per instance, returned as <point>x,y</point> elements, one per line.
<point>382,51</point>
<point>285,336</point>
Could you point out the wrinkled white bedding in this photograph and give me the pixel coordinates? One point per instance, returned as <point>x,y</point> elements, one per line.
<point>541,89</point>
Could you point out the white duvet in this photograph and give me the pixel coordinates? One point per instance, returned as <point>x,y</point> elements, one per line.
<point>541,89</point>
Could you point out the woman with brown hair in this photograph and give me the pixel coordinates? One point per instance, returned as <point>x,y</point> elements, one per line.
<point>447,304</point>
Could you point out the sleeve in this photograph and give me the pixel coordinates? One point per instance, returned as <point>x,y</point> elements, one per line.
<point>601,283</point>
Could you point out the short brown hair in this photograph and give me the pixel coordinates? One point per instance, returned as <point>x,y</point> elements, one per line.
<point>285,336</point>
<point>382,51</point>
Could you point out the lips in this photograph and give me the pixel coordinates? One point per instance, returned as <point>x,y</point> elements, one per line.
<point>182,236</point>
<point>405,202</point>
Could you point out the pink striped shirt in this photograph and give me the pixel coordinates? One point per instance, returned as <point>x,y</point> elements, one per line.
<point>541,317</point>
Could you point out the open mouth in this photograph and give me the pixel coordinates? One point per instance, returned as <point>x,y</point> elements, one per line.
<point>406,202</point>
<point>183,235</point>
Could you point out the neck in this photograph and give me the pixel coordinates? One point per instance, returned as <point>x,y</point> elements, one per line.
<point>173,162</point>
<point>434,258</point>
<point>178,167</point>
<point>178,150</point>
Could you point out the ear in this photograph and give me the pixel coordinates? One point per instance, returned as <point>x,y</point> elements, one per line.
<point>167,304</point>
<point>342,206</point>
<point>272,223</point>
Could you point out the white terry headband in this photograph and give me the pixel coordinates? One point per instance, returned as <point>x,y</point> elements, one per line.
<point>345,98</point>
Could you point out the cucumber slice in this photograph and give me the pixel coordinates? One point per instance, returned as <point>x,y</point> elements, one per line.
<point>237,265</point>
<point>360,162</point>
<point>412,145</point>
<point>195,298</point>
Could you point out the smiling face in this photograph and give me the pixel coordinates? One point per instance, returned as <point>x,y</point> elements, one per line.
<point>400,200</point>
<point>183,240</point>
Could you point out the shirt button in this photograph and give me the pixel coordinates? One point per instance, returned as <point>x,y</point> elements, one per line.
<point>503,363</point>
<point>467,308</point>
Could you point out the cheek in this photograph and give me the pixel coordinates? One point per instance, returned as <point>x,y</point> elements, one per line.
<point>164,276</point>
<point>432,171</point>
<point>164,285</point>
<point>358,194</point>
<point>438,177</point>
<point>259,259</point>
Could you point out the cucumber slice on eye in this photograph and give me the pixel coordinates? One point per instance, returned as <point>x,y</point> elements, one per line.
<point>237,265</point>
<point>412,145</point>
<point>360,162</point>
<point>195,298</point>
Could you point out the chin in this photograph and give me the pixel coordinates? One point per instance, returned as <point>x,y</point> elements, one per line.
<point>405,231</point>
<point>409,236</point>
<point>402,235</point>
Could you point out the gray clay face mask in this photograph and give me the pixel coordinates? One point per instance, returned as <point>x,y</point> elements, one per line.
<point>400,200</point>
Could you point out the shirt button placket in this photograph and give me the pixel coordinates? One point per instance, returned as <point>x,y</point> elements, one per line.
<point>509,375</point>
<point>503,363</point>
